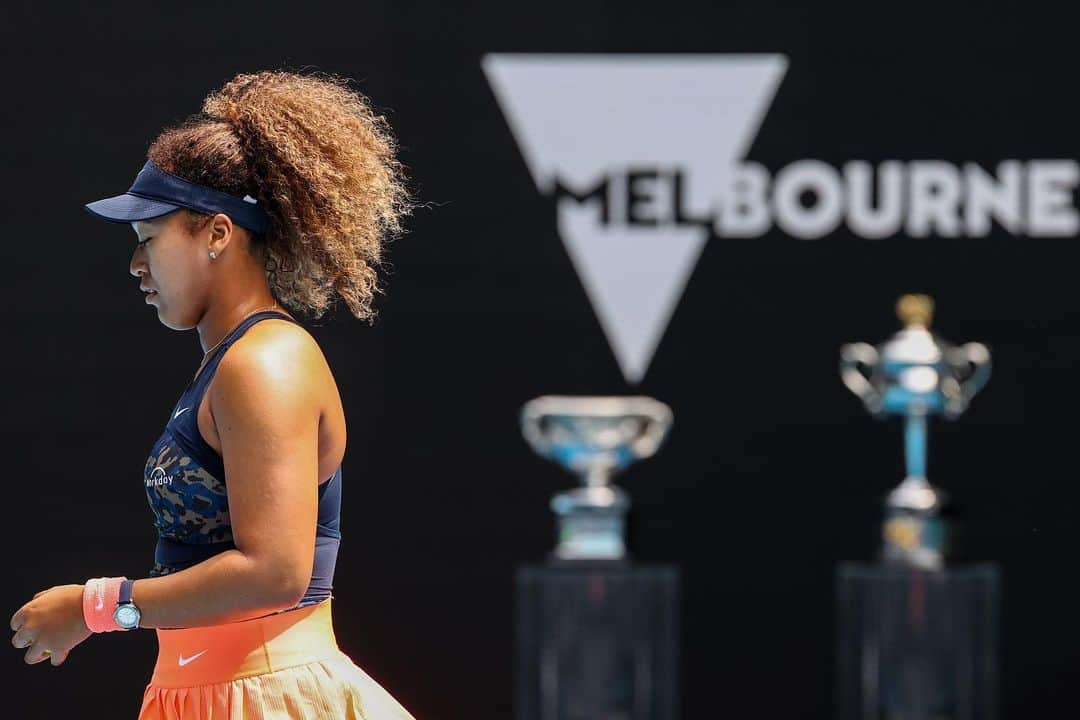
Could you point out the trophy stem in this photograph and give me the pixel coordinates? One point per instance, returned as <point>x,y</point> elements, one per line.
<point>597,476</point>
<point>915,442</point>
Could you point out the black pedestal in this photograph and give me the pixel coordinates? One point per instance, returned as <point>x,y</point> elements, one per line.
<point>917,644</point>
<point>597,641</point>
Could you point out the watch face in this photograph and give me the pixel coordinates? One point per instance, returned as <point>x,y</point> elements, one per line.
<point>126,616</point>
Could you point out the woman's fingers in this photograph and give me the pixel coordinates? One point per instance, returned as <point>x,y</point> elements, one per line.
<point>58,658</point>
<point>18,618</point>
<point>22,638</point>
<point>36,654</point>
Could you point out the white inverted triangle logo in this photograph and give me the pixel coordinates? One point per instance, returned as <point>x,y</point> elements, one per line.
<point>585,120</point>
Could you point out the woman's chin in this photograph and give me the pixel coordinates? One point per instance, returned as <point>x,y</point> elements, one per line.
<point>155,302</point>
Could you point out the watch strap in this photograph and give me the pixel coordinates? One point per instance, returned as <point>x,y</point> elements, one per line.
<point>125,592</point>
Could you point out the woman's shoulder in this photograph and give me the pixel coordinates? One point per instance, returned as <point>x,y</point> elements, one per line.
<point>275,353</point>
<point>276,339</point>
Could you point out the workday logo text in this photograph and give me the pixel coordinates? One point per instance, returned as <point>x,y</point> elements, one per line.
<point>158,478</point>
<point>645,156</point>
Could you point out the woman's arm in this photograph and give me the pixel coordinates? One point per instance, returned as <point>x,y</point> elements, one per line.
<point>265,403</point>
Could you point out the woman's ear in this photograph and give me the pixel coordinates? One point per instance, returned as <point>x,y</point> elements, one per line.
<point>222,233</point>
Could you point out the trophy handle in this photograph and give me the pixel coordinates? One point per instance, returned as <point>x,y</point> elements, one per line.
<point>973,359</point>
<point>530,428</point>
<point>657,425</point>
<point>979,357</point>
<point>854,359</point>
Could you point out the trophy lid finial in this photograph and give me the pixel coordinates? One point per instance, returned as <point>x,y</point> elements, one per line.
<point>915,310</point>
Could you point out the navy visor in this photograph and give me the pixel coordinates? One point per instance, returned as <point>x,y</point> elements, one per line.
<point>156,192</point>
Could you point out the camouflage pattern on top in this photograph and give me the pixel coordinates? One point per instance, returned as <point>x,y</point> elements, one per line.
<point>190,505</point>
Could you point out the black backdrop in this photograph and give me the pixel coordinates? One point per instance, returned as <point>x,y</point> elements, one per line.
<point>772,474</point>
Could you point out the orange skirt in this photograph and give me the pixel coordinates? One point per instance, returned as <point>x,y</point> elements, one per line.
<point>280,667</point>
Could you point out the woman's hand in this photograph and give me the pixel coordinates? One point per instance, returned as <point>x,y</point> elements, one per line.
<point>51,624</point>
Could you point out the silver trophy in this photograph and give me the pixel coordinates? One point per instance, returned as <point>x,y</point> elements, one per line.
<point>594,437</point>
<point>915,374</point>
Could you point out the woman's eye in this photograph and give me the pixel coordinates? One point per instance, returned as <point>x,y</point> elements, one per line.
<point>143,242</point>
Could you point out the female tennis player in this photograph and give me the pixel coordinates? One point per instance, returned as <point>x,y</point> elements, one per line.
<point>278,196</point>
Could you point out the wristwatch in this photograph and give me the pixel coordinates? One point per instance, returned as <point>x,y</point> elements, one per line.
<point>126,614</point>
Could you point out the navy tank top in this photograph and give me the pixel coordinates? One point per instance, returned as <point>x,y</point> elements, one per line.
<point>185,485</point>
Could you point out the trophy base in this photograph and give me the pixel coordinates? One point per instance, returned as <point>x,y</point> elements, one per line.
<point>914,531</point>
<point>592,523</point>
<point>917,645</point>
<point>596,641</point>
<point>914,541</point>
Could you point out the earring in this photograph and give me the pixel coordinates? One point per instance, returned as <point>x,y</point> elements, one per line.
<point>213,255</point>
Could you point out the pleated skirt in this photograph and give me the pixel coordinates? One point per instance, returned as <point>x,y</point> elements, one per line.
<point>281,667</point>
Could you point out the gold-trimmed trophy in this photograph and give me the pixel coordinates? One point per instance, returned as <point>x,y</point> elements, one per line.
<point>915,374</point>
<point>917,637</point>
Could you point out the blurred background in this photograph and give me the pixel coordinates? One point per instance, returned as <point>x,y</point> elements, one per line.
<point>511,283</point>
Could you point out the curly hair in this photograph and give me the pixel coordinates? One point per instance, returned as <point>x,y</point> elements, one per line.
<point>323,164</point>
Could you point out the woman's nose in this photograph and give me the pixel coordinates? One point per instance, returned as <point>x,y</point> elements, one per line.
<point>137,267</point>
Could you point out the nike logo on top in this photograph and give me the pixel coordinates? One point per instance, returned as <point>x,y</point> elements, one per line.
<point>180,412</point>
<point>185,660</point>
